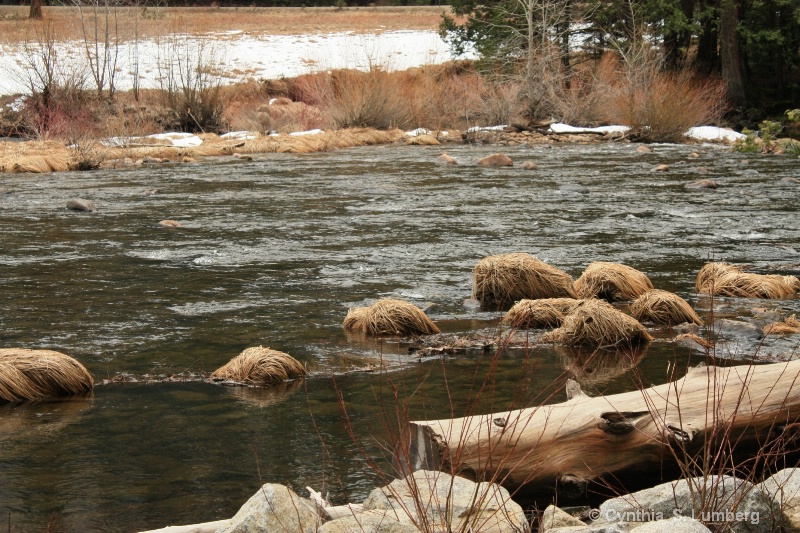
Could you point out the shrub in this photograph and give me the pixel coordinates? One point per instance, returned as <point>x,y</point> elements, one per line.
<point>661,106</point>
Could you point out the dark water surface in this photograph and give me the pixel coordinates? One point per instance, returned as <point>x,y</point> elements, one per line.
<point>273,252</point>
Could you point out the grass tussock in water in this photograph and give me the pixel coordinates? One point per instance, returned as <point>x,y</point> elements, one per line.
<point>263,366</point>
<point>500,280</point>
<point>542,313</point>
<point>612,282</point>
<point>37,374</point>
<point>787,326</point>
<point>389,317</point>
<point>724,279</point>
<point>663,307</point>
<point>595,322</point>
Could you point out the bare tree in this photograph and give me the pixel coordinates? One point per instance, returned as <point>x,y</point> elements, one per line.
<point>36,10</point>
<point>101,39</point>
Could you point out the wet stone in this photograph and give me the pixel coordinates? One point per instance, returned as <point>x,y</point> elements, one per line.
<point>79,204</point>
<point>702,184</point>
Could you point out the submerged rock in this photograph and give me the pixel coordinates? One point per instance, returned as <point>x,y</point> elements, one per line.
<point>529,165</point>
<point>170,224</point>
<point>644,149</point>
<point>702,184</point>
<point>79,204</point>
<point>446,159</point>
<point>496,161</point>
<point>661,168</point>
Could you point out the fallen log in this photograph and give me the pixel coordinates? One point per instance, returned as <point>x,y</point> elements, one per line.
<point>571,444</point>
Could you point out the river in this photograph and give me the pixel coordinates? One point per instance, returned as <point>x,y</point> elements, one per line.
<point>272,252</point>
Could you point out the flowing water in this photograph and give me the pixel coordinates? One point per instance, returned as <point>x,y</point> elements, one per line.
<point>273,252</point>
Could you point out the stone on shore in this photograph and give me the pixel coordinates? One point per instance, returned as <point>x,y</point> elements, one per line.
<point>784,489</point>
<point>555,517</point>
<point>274,508</point>
<point>370,522</point>
<point>450,503</point>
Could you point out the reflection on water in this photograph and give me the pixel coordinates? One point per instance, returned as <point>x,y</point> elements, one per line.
<point>273,252</point>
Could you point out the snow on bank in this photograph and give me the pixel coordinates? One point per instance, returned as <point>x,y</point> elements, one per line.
<point>713,133</point>
<point>559,127</point>
<point>240,56</point>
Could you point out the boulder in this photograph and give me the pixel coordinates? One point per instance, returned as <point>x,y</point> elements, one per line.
<point>450,503</point>
<point>370,522</point>
<point>555,517</point>
<point>661,168</point>
<point>529,165</point>
<point>671,525</point>
<point>784,489</point>
<point>170,223</point>
<point>737,504</point>
<point>702,184</point>
<point>274,508</point>
<point>496,161</point>
<point>79,204</point>
<point>644,149</point>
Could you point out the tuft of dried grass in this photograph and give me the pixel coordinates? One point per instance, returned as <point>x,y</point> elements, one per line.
<point>542,313</point>
<point>595,322</point>
<point>690,339</point>
<point>663,307</point>
<point>612,282</point>
<point>728,280</point>
<point>389,316</point>
<point>788,326</point>
<point>263,366</point>
<point>37,374</point>
<point>502,279</point>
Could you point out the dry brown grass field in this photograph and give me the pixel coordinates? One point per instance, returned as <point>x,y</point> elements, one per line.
<point>150,22</point>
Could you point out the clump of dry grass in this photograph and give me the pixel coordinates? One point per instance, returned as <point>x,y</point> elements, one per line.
<point>389,316</point>
<point>506,278</point>
<point>542,313</point>
<point>690,339</point>
<point>662,307</point>
<point>728,280</point>
<point>788,326</point>
<point>612,282</point>
<point>263,366</point>
<point>596,323</point>
<point>36,374</point>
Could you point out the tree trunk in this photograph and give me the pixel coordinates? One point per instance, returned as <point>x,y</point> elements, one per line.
<point>588,439</point>
<point>730,54</point>
<point>36,10</point>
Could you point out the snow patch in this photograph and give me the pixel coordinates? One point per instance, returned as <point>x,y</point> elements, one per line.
<point>713,133</point>
<point>560,127</point>
<point>309,132</point>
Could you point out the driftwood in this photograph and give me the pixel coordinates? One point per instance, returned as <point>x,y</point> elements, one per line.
<point>583,440</point>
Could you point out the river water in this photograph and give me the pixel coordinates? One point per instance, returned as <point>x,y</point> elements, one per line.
<point>272,252</point>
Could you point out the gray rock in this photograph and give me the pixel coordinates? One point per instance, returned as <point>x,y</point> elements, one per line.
<point>737,329</point>
<point>450,503</point>
<point>671,525</point>
<point>79,204</point>
<point>737,504</point>
<point>784,489</point>
<point>274,508</point>
<point>370,522</point>
<point>554,517</point>
<point>594,528</point>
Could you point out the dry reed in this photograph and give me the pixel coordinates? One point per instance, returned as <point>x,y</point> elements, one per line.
<point>263,366</point>
<point>787,326</point>
<point>727,280</point>
<point>503,279</point>
<point>37,374</point>
<point>596,323</point>
<point>611,282</point>
<point>542,313</point>
<point>662,307</point>
<point>389,317</point>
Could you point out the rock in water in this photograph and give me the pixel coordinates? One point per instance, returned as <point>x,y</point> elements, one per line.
<point>496,161</point>
<point>79,204</point>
